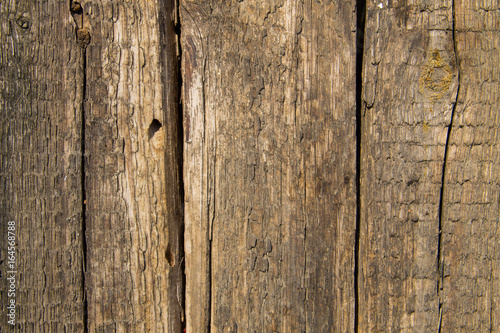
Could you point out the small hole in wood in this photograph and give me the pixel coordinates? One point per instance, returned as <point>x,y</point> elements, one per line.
<point>169,256</point>
<point>153,128</point>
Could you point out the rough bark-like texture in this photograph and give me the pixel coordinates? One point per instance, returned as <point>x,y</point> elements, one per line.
<point>269,116</point>
<point>132,191</point>
<point>97,155</point>
<point>471,201</point>
<point>40,165</point>
<point>410,86</point>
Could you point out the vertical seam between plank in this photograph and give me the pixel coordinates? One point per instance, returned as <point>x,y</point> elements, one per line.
<point>360,31</point>
<point>180,139</point>
<point>439,259</point>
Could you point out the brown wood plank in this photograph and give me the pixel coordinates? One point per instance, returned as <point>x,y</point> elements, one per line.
<point>409,89</point>
<point>134,211</point>
<point>270,148</point>
<point>471,202</point>
<point>269,116</point>
<point>40,166</point>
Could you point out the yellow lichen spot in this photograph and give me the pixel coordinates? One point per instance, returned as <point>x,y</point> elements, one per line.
<point>436,77</point>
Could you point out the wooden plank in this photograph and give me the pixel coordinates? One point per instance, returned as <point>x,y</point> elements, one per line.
<point>269,116</point>
<point>132,186</point>
<point>409,89</point>
<point>471,202</point>
<point>40,167</point>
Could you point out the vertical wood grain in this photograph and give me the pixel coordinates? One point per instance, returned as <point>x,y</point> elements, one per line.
<point>409,88</point>
<point>40,165</point>
<point>471,202</point>
<point>231,205</point>
<point>269,116</point>
<point>134,279</point>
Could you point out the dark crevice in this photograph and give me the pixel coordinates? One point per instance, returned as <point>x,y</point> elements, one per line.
<point>209,281</point>
<point>180,115</point>
<point>360,35</point>
<point>439,259</point>
<point>180,140</point>
<point>210,237</point>
<point>210,248</point>
<point>84,195</point>
<point>170,65</point>
<point>82,39</point>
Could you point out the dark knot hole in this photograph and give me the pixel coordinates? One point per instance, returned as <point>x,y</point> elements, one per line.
<point>153,128</point>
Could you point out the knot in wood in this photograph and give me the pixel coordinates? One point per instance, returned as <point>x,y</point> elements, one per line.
<point>83,37</point>
<point>436,76</point>
<point>23,23</point>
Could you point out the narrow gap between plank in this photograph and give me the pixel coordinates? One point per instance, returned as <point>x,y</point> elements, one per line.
<point>439,259</point>
<point>83,39</point>
<point>180,158</point>
<point>171,77</point>
<point>360,36</point>
<point>209,273</point>
<point>210,230</point>
<point>84,195</point>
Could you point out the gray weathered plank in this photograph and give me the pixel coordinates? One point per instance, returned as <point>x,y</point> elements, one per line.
<point>269,116</point>
<point>40,165</point>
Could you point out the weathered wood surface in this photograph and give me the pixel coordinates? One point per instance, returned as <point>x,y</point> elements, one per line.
<point>471,202</point>
<point>405,118</point>
<point>428,241</point>
<point>40,165</point>
<point>113,66</point>
<point>134,277</point>
<point>269,127</point>
<point>264,153</point>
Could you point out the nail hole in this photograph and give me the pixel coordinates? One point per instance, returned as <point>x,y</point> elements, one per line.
<point>153,128</point>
